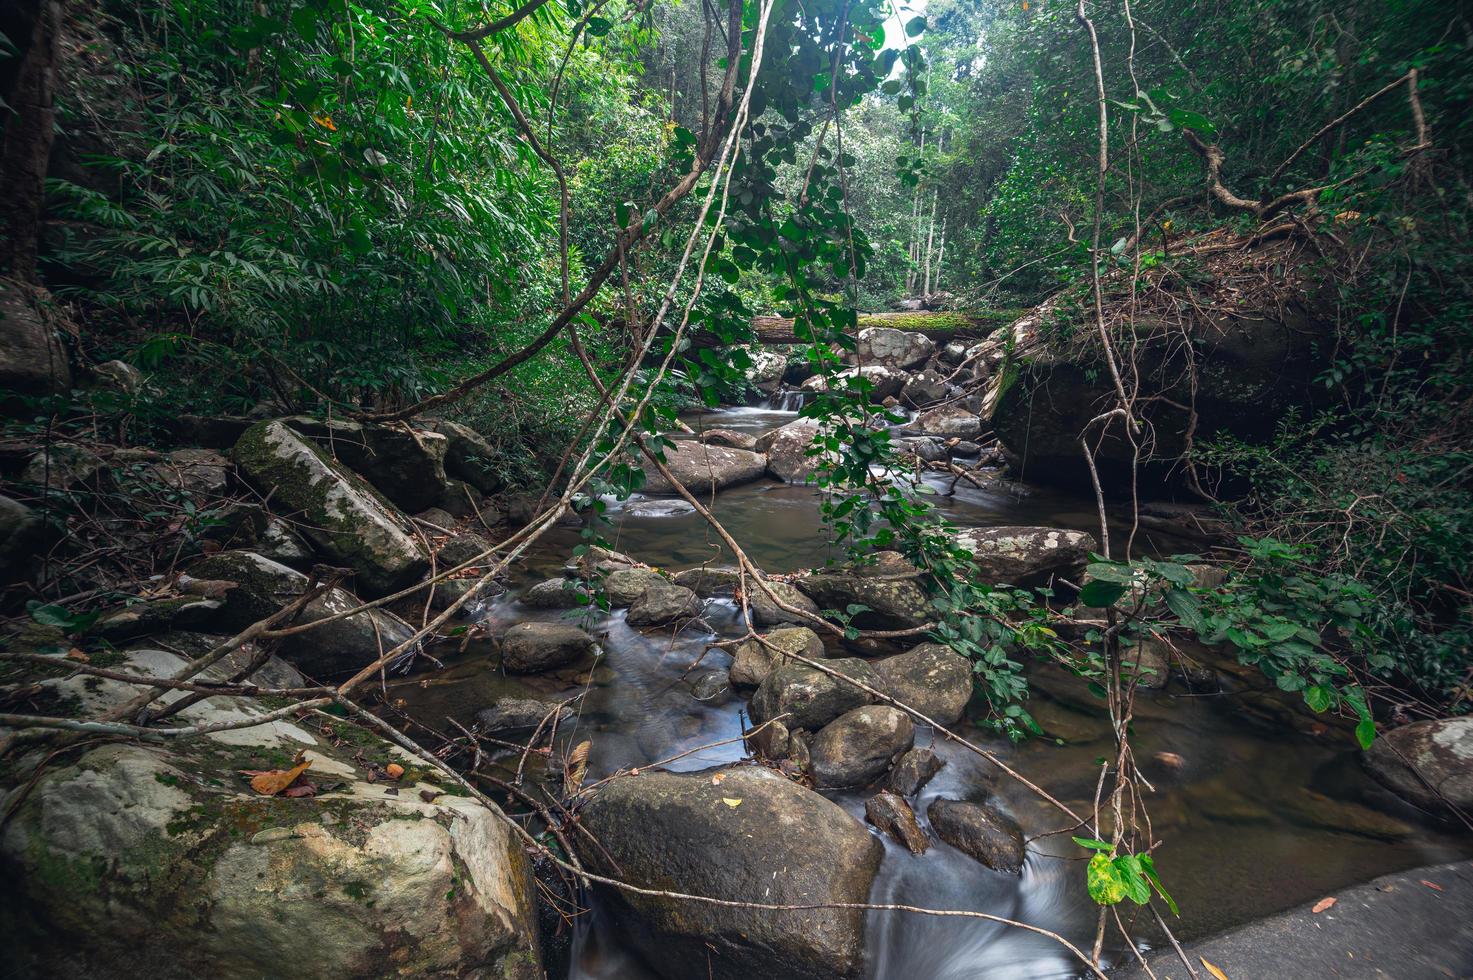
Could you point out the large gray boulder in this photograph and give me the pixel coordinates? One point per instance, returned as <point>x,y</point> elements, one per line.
<point>948,421</point>
<point>924,388</point>
<point>626,586</point>
<point>341,514</point>
<point>931,678</point>
<point>750,835</point>
<point>263,586</point>
<point>766,371</point>
<point>893,348</point>
<point>32,359</point>
<point>729,437</point>
<point>531,648</point>
<point>22,535</point>
<point>787,448</point>
<point>469,456</point>
<point>859,746</point>
<point>1429,763</point>
<point>127,860</point>
<point>1025,555</point>
<point>884,381</point>
<point>663,603</point>
<point>555,593</point>
<point>406,465</point>
<point>766,611</point>
<point>811,698</point>
<point>755,658</point>
<point>703,469</point>
<point>889,586</point>
<point>711,581</point>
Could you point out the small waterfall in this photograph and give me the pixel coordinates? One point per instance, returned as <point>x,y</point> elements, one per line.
<point>787,400</point>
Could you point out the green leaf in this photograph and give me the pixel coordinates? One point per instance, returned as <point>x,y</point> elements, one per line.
<point>916,26</point>
<point>599,26</point>
<point>1092,844</point>
<point>1103,880</point>
<point>1188,609</point>
<point>1318,697</point>
<point>1148,865</point>
<point>1365,732</point>
<point>1133,877</point>
<point>1101,594</point>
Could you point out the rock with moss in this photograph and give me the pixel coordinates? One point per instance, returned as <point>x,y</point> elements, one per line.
<point>703,469</point>
<point>1429,763</point>
<point>531,648</point>
<point>859,746</point>
<point>341,514</point>
<point>930,678</point>
<point>894,348</point>
<point>757,657</point>
<point>261,587</point>
<point>789,449</point>
<point>663,603</point>
<point>887,586</point>
<point>160,860</point>
<point>811,698</point>
<point>1025,555</point>
<point>406,465</point>
<point>469,456</point>
<point>766,611</point>
<point>626,586</point>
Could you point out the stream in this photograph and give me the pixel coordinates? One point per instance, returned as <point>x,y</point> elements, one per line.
<point>1259,807</point>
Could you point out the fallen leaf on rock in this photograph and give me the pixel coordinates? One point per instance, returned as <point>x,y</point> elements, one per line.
<point>299,790</point>
<point>1213,969</point>
<point>273,781</point>
<point>732,801</point>
<point>1432,885</point>
<point>429,795</point>
<point>394,770</point>
<point>1322,904</point>
<point>716,779</point>
<point>75,654</point>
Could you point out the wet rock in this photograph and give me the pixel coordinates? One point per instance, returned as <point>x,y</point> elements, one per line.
<point>659,508</point>
<point>469,456</point>
<point>965,449</point>
<point>196,472</point>
<point>120,376</point>
<point>1427,762</point>
<point>627,586</point>
<point>438,518</point>
<point>62,467</point>
<point>711,686</point>
<point>766,612</point>
<point>264,586</point>
<point>1025,555</point>
<point>533,648</point>
<point>857,747</point>
<point>924,388</point>
<point>954,353</point>
<point>948,420</point>
<point>703,469</point>
<point>131,859</point>
<point>405,465</point>
<point>451,591</point>
<point>811,698</point>
<point>931,678</point>
<point>555,593</point>
<point>914,770</point>
<point>663,828</point>
<point>770,741</point>
<point>23,534</point>
<point>895,817</point>
<point>1150,661</point>
<point>787,451</point>
<point>32,358</point>
<point>520,715</point>
<point>342,516</point>
<point>884,382</point>
<point>154,616</point>
<point>462,547</point>
<point>755,658</point>
<point>979,831</point>
<point>888,585</point>
<point>893,348</point>
<point>663,603</point>
<point>928,448</point>
<point>710,582</point>
<point>729,437</point>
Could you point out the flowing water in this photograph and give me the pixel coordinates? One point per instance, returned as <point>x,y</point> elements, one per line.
<point>1259,807</point>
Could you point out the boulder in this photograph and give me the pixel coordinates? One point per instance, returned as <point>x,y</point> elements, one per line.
<point>857,747</point>
<point>627,586</point>
<point>1150,659</point>
<point>889,586</point>
<point>931,679</point>
<point>520,715</point>
<point>895,817</point>
<point>659,509</point>
<point>469,456</point>
<point>766,612</point>
<point>263,586</point>
<point>32,358</point>
<point>663,603</point>
<point>927,448</point>
<point>406,465</point>
<point>555,593</point>
<point>948,420</point>
<point>134,859</point>
<point>279,542</point>
<point>1025,555</point>
<point>532,648</point>
<point>766,370</point>
<point>729,437</point>
<point>703,469</point>
<point>62,466</point>
<point>924,388</point>
<point>913,771</point>
<point>23,534</point>
<point>341,514</point>
<point>893,348</point>
<point>788,448</point>
<point>711,582</point>
<point>979,831</point>
<point>120,376</point>
<point>954,353</point>
<point>884,382</point>
<point>752,836</point>
<point>462,547</point>
<point>1429,763</point>
<point>811,698</point>
<point>757,657</point>
<point>195,472</point>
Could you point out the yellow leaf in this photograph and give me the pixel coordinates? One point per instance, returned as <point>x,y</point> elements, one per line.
<point>1215,971</point>
<point>325,122</point>
<point>731,801</point>
<point>273,782</point>
<point>577,766</point>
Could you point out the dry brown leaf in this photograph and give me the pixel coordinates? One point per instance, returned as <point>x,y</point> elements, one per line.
<point>1322,904</point>
<point>1432,885</point>
<point>577,766</point>
<point>716,779</point>
<point>273,781</point>
<point>1213,969</point>
<point>75,654</point>
<point>300,790</point>
<point>394,770</point>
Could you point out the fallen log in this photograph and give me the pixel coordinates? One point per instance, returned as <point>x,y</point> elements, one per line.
<point>941,326</point>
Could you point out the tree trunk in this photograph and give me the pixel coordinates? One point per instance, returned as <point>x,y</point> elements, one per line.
<point>27,86</point>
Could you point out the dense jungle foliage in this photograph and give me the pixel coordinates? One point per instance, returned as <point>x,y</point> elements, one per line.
<point>332,206</point>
